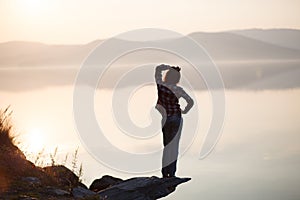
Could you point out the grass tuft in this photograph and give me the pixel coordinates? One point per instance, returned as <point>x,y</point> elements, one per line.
<point>6,137</point>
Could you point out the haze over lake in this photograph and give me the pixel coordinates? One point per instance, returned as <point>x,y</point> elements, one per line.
<point>257,156</point>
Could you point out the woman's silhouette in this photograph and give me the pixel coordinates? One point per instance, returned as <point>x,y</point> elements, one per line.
<point>168,105</point>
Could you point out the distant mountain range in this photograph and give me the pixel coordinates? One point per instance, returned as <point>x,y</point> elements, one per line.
<point>254,44</point>
<point>288,38</point>
<point>247,59</point>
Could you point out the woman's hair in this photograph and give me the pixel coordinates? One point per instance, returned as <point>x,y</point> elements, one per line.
<point>173,75</point>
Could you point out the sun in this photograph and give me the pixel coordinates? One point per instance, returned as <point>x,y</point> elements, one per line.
<point>35,140</point>
<point>33,5</point>
<point>32,8</point>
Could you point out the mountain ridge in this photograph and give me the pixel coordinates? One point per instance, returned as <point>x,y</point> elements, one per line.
<point>228,45</point>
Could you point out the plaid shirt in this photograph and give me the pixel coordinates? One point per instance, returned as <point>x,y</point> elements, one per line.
<point>168,95</point>
<point>168,100</point>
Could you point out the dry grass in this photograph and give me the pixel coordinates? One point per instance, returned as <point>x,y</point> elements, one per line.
<point>13,162</point>
<point>6,136</point>
<point>14,167</point>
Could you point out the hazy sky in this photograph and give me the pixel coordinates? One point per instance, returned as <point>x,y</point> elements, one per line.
<point>74,21</point>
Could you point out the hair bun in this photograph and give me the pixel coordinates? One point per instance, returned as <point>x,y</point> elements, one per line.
<point>177,68</point>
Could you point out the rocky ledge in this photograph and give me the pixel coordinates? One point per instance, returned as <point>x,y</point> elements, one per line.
<point>105,188</point>
<point>142,188</point>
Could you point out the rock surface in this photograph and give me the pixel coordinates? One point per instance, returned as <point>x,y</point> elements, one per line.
<point>34,181</point>
<point>63,176</point>
<point>142,188</point>
<point>58,192</point>
<point>80,193</point>
<point>103,183</point>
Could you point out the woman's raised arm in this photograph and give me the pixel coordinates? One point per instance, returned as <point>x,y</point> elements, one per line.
<point>158,71</point>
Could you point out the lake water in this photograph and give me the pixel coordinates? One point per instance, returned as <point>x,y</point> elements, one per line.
<point>257,156</point>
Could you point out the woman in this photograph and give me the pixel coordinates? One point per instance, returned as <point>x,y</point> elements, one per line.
<point>168,105</point>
